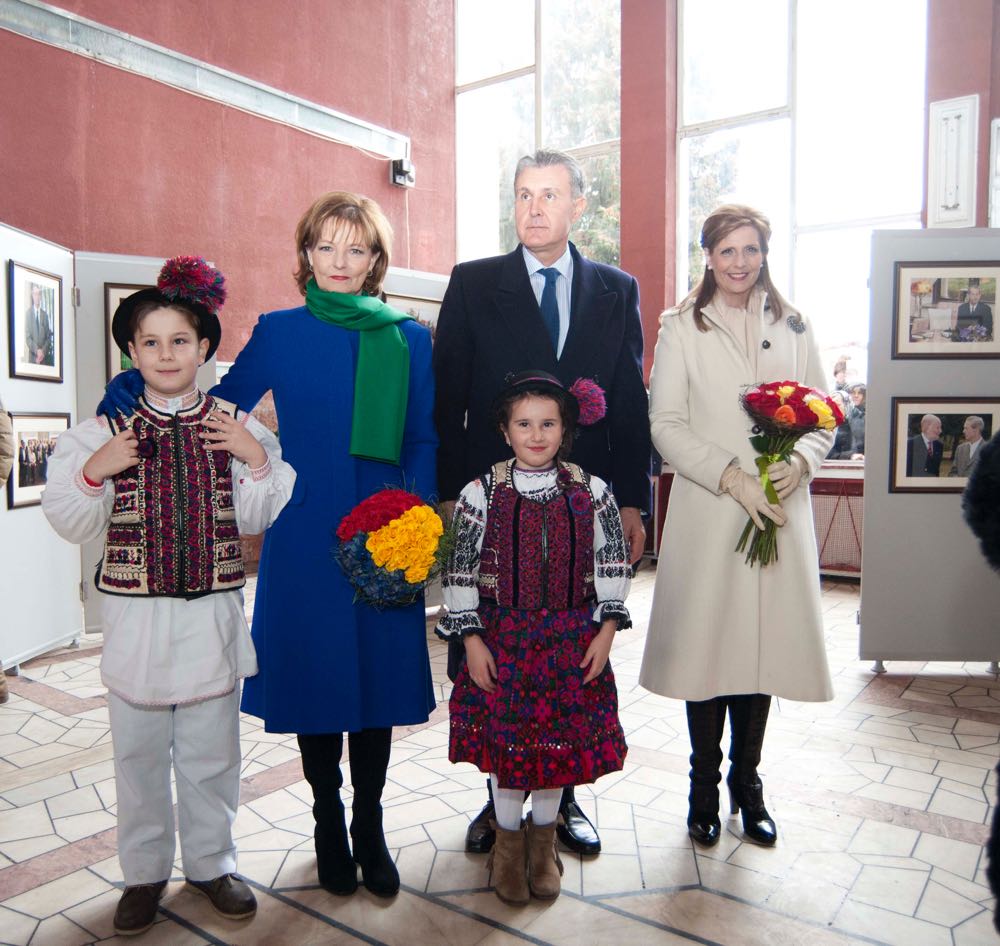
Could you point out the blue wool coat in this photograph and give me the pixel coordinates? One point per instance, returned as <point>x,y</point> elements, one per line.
<point>327,664</point>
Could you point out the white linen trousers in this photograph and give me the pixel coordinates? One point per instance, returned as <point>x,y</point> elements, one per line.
<point>204,739</point>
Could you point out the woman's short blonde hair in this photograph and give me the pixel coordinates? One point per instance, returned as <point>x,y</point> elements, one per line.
<point>356,210</point>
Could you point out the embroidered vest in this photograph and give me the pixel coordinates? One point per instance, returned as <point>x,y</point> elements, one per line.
<point>538,554</point>
<point>173,524</point>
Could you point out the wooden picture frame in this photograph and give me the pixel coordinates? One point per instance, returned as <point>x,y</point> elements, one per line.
<point>919,424</point>
<point>35,436</point>
<point>934,315</point>
<point>116,361</point>
<point>35,323</point>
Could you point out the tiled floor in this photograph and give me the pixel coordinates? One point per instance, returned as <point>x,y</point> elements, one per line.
<point>882,798</point>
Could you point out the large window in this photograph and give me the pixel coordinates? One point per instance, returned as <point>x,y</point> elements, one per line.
<point>532,74</point>
<point>813,113</point>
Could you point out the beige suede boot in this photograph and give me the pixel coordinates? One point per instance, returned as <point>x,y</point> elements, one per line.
<point>508,867</point>
<point>4,692</point>
<point>544,866</point>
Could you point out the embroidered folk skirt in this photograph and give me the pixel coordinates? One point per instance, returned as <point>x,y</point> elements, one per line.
<point>542,727</point>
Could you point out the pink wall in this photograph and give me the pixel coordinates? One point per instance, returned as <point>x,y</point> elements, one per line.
<point>101,160</point>
<point>963,58</point>
<point>649,165</point>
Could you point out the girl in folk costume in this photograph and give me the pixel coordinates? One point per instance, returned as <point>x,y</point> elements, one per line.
<point>173,483</point>
<point>536,587</point>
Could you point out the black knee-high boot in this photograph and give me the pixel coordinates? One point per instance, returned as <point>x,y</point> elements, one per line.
<point>706,719</point>
<point>369,758</point>
<point>321,766</point>
<point>747,722</point>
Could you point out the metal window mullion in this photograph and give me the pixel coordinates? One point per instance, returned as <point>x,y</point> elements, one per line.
<point>596,150</point>
<point>539,69</point>
<point>733,121</point>
<point>793,104</point>
<point>494,79</point>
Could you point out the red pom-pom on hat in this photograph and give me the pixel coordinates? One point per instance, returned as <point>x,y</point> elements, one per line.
<point>191,279</point>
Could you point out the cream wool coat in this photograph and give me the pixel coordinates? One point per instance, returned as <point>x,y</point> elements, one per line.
<point>718,626</point>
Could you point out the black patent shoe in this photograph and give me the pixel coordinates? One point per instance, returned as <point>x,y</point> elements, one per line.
<point>704,828</point>
<point>574,829</point>
<point>480,837</point>
<point>747,799</point>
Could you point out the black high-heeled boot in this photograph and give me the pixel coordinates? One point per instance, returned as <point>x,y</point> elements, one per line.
<point>321,765</point>
<point>706,719</point>
<point>369,759</point>
<point>747,722</point>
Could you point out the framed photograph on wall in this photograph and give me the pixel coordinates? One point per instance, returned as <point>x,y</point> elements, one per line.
<point>416,293</point>
<point>34,318</point>
<point>35,437</point>
<point>425,311</point>
<point>114,292</point>
<point>945,310</point>
<point>935,442</point>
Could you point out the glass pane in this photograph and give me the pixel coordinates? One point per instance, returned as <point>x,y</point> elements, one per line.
<point>839,311</point>
<point>581,72</point>
<point>746,165</point>
<point>493,38</point>
<point>494,126</point>
<point>861,137</point>
<point>735,57</point>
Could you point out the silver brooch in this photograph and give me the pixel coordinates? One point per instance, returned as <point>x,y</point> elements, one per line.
<point>796,324</point>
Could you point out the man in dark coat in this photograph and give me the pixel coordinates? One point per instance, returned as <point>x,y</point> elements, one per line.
<point>544,306</point>
<point>975,312</point>
<point>924,450</point>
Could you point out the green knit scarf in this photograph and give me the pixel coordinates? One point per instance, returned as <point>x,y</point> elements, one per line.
<point>382,377</point>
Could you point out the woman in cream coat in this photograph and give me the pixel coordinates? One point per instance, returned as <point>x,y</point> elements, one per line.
<point>723,634</point>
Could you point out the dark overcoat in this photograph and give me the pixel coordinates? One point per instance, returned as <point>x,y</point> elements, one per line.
<point>490,326</point>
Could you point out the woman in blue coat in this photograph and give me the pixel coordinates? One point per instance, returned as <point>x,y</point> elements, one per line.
<point>354,394</point>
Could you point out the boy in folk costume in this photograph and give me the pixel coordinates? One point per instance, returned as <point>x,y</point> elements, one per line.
<point>173,483</point>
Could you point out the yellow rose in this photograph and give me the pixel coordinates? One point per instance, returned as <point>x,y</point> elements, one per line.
<point>823,413</point>
<point>785,392</point>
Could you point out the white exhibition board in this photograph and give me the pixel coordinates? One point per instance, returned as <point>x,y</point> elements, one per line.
<point>39,572</point>
<point>926,591</point>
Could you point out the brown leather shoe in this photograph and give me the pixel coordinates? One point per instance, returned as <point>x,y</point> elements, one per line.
<point>230,897</point>
<point>136,909</point>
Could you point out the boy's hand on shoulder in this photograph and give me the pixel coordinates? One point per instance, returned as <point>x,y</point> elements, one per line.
<point>482,666</point>
<point>224,432</point>
<point>599,650</point>
<point>120,453</point>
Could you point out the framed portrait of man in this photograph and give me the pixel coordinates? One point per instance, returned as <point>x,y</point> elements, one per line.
<point>35,324</point>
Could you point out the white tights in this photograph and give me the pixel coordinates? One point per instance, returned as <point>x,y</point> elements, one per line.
<point>509,802</point>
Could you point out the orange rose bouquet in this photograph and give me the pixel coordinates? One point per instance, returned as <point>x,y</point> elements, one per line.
<point>782,412</point>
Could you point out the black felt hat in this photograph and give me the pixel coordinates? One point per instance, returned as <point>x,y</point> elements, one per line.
<point>185,281</point>
<point>538,382</point>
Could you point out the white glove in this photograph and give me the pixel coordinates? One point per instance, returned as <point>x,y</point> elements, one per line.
<point>748,492</point>
<point>787,476</point>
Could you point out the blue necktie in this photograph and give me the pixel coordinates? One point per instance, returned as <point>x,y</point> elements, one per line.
<point>550,307</point>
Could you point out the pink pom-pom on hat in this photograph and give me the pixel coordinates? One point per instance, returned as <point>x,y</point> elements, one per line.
<point>590,396</point>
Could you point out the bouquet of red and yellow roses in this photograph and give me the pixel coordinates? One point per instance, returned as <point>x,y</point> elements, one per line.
<point>782,412</point>
<point>391,545</point>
